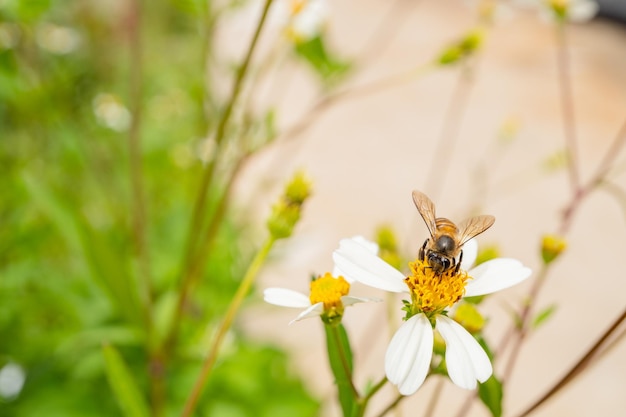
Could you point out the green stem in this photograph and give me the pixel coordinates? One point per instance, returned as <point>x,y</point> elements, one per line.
<point>197,217</point>
<point>344,359</point>
<point>233,308</point>
<point>199,262</point>
<point>363,402</point>
<point>391,406</point>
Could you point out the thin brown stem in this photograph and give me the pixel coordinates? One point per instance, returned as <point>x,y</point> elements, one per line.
<point>524,320</point>
<point>579,367</point>
<point>391,406</point>
<point>567,106</point>
<point>389,25</point>
<point>325,103</point>
<point>580,193</point>
<point>611,154</point>
<point>440,162</point>
<point>434,398</point>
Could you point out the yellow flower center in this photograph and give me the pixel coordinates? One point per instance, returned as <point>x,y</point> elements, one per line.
<point>329,290</point>
<point>559,7</point>
<point>296,6</point>
<point>431,292</point>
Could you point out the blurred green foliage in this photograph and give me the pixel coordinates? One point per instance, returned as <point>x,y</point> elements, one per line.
<point>70,278</point>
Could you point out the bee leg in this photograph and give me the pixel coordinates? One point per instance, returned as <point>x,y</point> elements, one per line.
<point>458,264</point>
<point>422,251</point>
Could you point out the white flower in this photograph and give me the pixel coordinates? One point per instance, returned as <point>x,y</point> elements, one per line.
<point>408,356</point>
<point>111,113</point>
<point>303,19</point>
<point>329,293</point>
<point>572,10</point>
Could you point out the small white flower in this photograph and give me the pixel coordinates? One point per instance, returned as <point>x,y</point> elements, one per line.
<point>12,378</point>
<point>111,113</point>
<point>408,356</point>
<point>58,39</point>
<point>303,19</point>
<point>572,10</point>
<point>329,293</point>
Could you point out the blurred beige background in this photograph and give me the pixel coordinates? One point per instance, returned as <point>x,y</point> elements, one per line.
<point>365,155</point>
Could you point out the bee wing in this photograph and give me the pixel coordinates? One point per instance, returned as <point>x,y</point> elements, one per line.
<point>473,227</point>
<point>426,209</point>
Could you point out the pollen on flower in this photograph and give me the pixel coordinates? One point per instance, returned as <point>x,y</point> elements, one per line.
<point>329,290</point>
<point>431,292</point>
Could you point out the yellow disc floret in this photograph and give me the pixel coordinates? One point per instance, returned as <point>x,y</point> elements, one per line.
<point>433,293</point>
<point>329,290</point>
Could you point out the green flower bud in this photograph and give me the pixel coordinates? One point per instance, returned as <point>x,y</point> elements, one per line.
<point>462,49</point>
<point>469,317</point>
<point>286,212</point>
<point>487,253</point>
<point>298,190</point>
<point>560,8</point>
<point>388,246</point>
<point>551,247</point>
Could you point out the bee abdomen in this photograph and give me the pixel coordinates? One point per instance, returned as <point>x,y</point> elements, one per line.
<point>446,226</point>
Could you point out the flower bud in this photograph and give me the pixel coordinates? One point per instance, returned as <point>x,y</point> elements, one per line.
<point>286,212</point>
<point>461,49</point>
<point>388,246</point>
<point>468,316</point>
<point>298,190</point>
<point>551,247</point>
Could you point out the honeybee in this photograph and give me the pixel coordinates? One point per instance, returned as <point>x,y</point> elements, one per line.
<point>446,240</point>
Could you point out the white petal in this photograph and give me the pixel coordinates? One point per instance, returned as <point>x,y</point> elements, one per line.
<point>582,11</point>
<point>470,251</point>
<point>313,311</point>
<point>369,245</point>
<point>360,264</point>
<point>495,275</point>
<point>465,358</point>
<point>286,298</point>
<point>349,300</point>
<point>408,356</point>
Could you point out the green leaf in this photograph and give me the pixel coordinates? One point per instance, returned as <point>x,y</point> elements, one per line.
<point>490,393</point>
<point>106,266</point>
<point>314,51</point>
<point>123,385</point>
<point>340,359</point>
<point>543,315</point>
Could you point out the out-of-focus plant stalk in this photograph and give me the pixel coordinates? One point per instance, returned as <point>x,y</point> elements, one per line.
<point>451,126</point>
<point>284,217</point>
<point>391,406</point>
<point>200,261</point>
<point>233,308</point>
<point>517,332</point>
<point>580,193</point>
<point>196,224</point>
<point>134,149</point>
<point>139,211</point>
<point>326,102</point>
<point>567,105</point>
<point>578,367</point>
<point>220,134</point>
